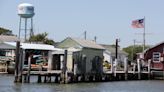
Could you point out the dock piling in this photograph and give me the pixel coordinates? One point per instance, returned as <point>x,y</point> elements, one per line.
<point>149,69</point>
<point>17,61</point>
<point>29,69</point>
<point>64,70</point>
<point>126,68</point>
<point>139,68</point>
<point>39,78</point>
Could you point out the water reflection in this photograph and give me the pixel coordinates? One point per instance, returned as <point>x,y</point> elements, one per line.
<point>7,85</point>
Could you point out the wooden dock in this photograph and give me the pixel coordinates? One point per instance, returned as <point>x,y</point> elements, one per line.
<point>62,75</point>
<point>47,76</point>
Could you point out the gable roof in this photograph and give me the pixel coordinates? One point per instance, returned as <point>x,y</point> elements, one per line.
<point>87,43</point>
<point>7,38</point>
<point>113,50</point>
<point>78,44</point>
<point>153,47</point>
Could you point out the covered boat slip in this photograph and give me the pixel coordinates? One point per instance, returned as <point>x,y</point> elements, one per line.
<point>39,53</point>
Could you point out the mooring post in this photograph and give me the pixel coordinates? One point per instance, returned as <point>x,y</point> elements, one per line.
<point>29,68</point>
<point>75,71</point>
<point>21,64</point>
<point>126,68</point>
<point>64,70</point>
<point>115,67</point>
<point>56,78</point>
<point>17,61</point>
<point>149,68</point>
<point>112,69</point>
<point>139,68</point>
<point>39,78</point>
<point>134,68</point>
<point>50,56</point>
<point>6,66</point>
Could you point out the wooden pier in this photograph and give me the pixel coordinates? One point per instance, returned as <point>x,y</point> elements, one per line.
<point>47,76</point>
<point>64,76</point>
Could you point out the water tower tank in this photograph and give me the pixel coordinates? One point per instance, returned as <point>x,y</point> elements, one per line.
<point>26,10</point>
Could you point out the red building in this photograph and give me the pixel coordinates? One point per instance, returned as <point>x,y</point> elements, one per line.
<point>156,55</point>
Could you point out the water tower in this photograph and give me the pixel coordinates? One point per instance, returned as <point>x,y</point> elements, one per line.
<point>25,11</point>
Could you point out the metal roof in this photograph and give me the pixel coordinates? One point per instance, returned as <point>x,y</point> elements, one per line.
<point>87,43</point>
<point>6,46</point>
<point>34,46</point>
<point>7,38</point>
<point>154,46</point>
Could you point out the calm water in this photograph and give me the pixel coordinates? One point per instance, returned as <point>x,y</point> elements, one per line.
<point>7,85</point>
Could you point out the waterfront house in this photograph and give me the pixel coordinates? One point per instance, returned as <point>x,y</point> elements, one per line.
<point>7,50</point>
<point>110,54</point>
<point>86,58</point>
<point>156,55</point>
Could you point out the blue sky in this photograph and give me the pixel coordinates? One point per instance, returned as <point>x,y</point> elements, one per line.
<point>106,19</point>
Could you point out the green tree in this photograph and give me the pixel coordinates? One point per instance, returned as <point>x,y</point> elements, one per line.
<point>41,37</point>
<point>4,31</point>
<point>49,41</point>
<point>133,50</point>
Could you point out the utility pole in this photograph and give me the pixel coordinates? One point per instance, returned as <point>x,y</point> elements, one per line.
<point>95,38</point>
<point>133,50</point>
<point>85,35</point>
<point>115,64</point>
<point>116,48</point>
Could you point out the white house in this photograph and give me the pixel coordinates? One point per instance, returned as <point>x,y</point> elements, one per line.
<point>110,54</point>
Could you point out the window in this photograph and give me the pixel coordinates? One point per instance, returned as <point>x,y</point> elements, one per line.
<point>156,56</point>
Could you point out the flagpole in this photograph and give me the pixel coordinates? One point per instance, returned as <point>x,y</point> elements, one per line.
<point>144,40</point>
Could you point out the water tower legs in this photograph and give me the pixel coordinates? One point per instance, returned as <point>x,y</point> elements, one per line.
<point>20,27</point>
<point>25,29</point>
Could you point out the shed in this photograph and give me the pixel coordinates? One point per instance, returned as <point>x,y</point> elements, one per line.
<point>87,60</point>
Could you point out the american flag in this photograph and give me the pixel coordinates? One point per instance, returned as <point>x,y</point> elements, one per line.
<point>139,23</point>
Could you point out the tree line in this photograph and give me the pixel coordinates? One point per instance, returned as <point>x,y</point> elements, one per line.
<point>38,38</point>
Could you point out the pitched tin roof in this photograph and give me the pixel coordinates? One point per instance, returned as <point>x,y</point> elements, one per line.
<point>34,46</point>
<point>87,43</point>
